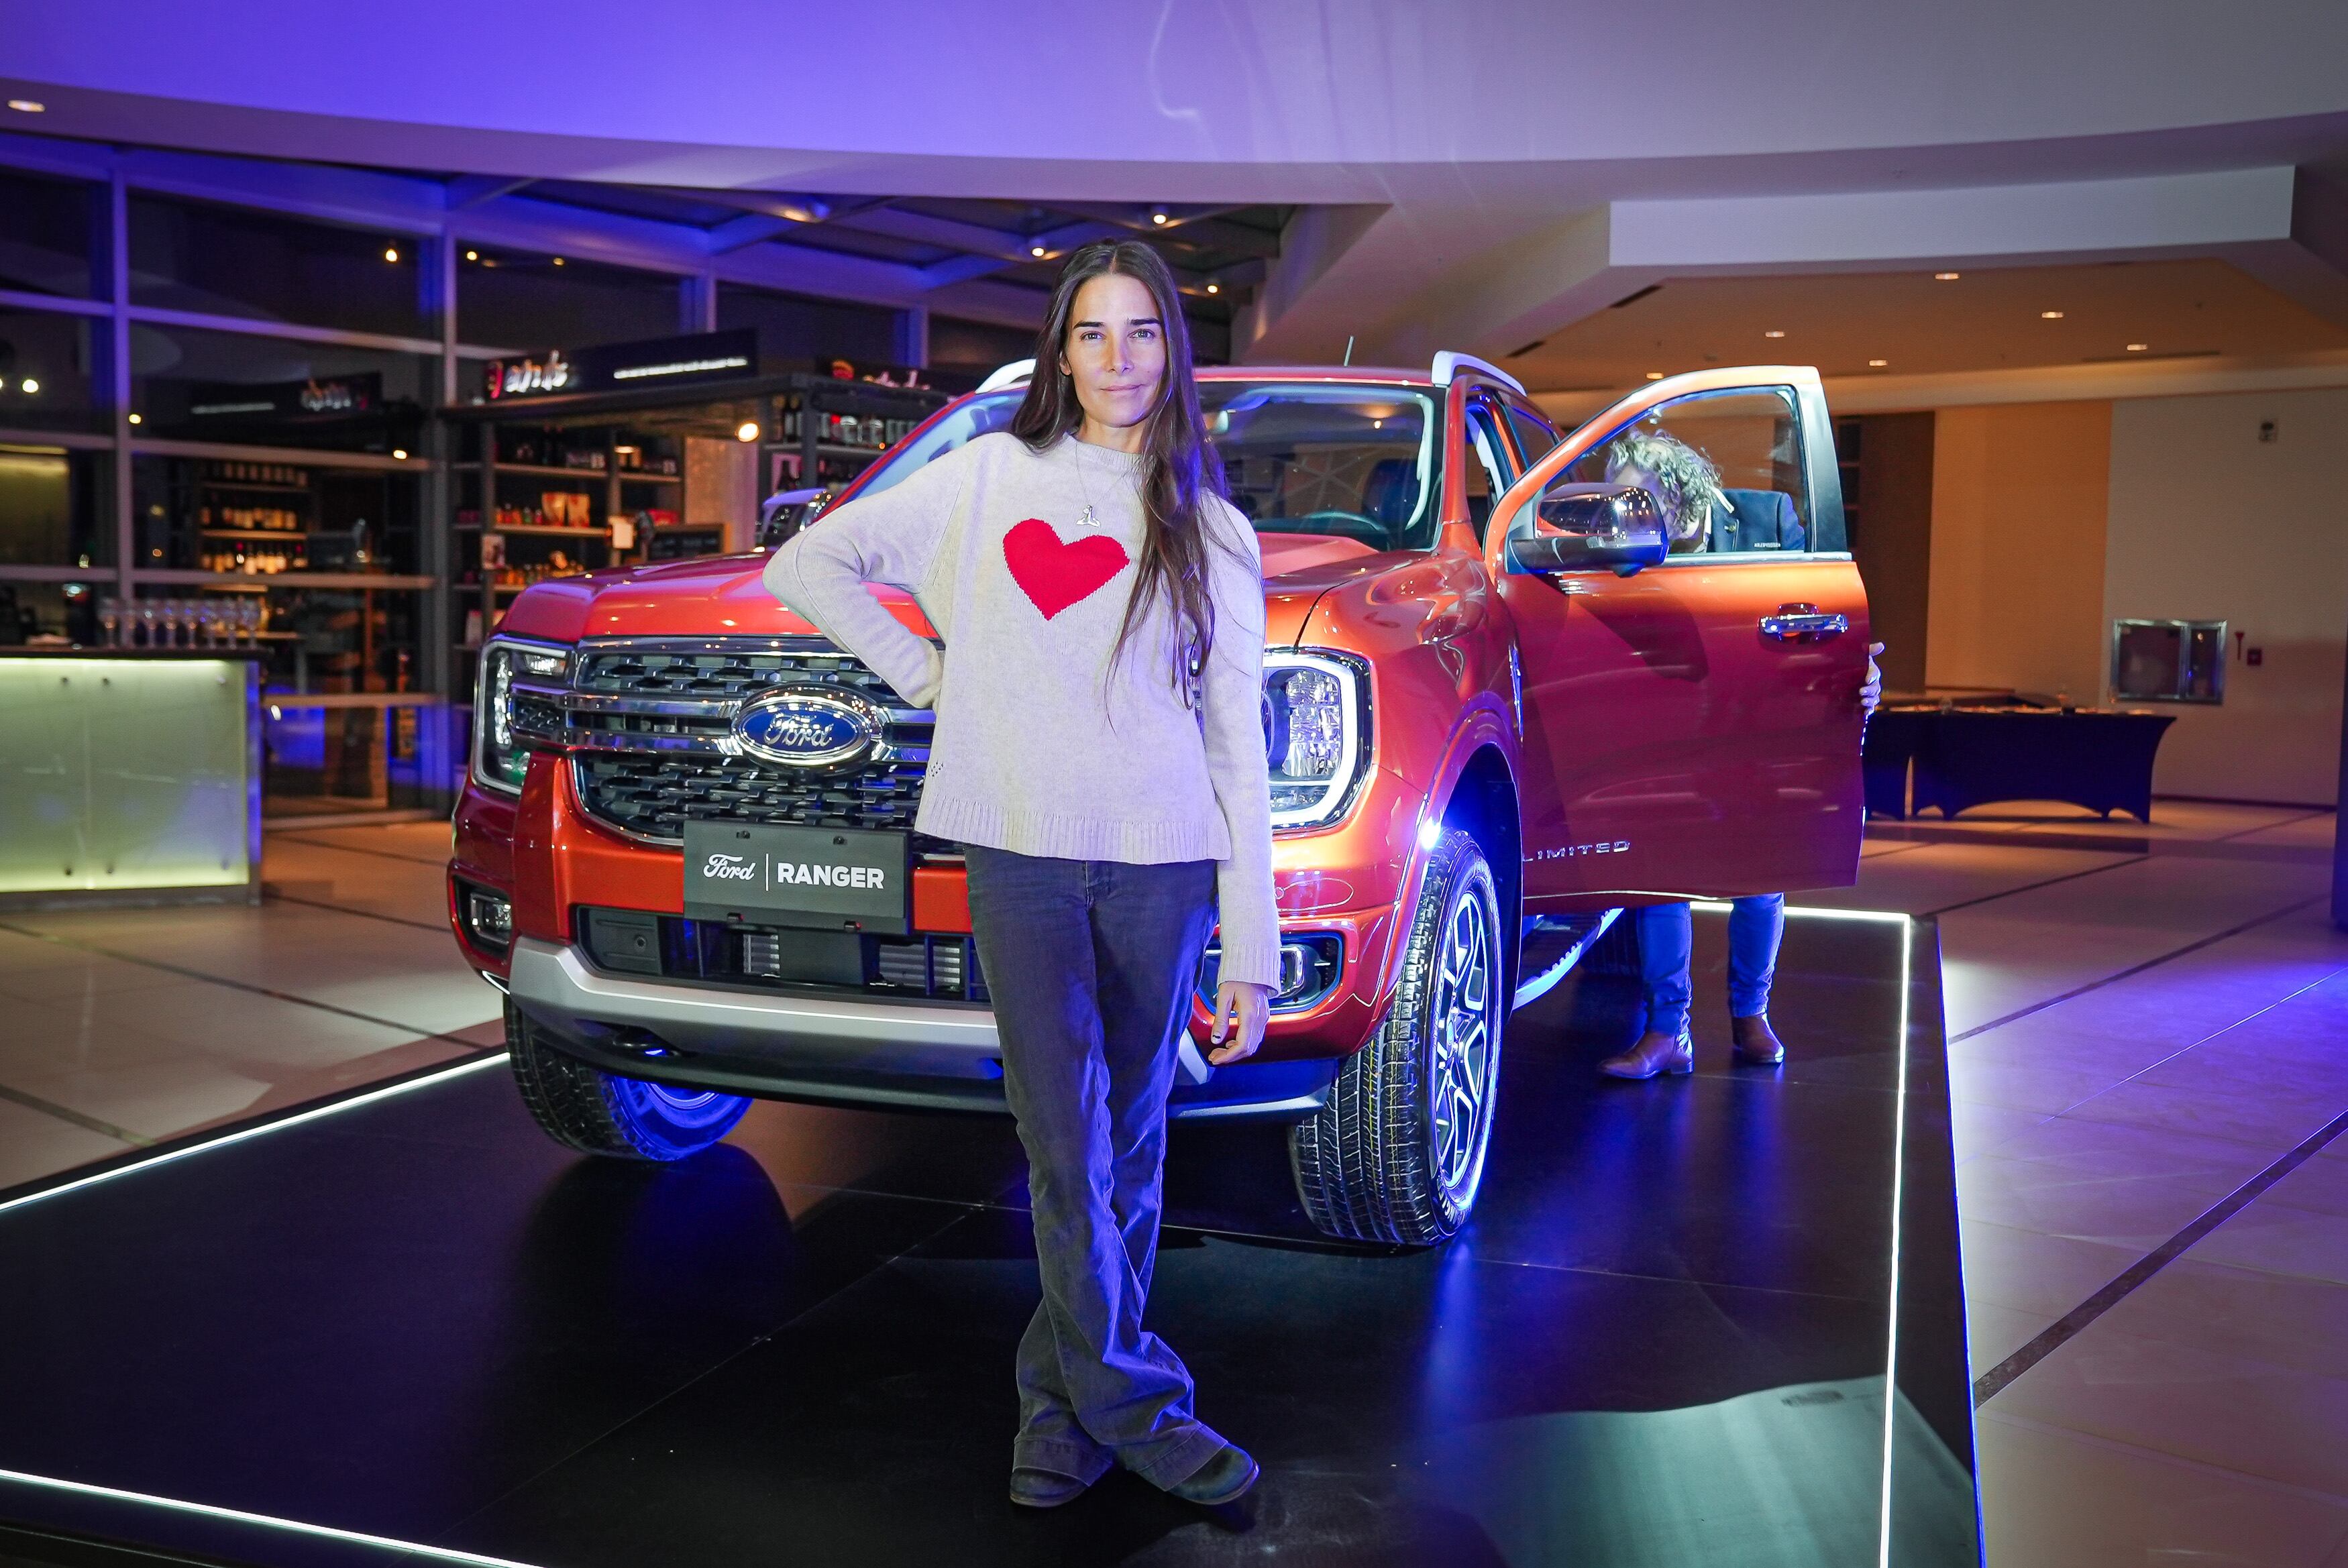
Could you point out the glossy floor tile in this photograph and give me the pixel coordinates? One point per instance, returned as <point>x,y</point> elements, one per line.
<point>422,1319</point>
<point>2147,1023</point>
<point>154,1022</point>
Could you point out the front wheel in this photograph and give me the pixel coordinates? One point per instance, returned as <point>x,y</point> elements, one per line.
<point>1398,1153</point>
<point>597,1112</point>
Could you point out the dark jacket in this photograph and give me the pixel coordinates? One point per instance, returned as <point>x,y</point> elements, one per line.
<point>1756,520</point>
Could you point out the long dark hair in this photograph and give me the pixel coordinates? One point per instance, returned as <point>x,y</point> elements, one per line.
<point>1180,471</point>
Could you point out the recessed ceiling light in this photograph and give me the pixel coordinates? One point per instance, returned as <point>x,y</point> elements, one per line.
<point>135,419</point>
<point>2049,315</point>
<point>1877,364</point>
<point>2137,347</point>
<point>391,253</point>
<point>400,452</point>
<point>747,431</point>
<point>28,106</point>
<point>1036,250</point>
<point>1654,376</point>
<point>31,386</point>
<point>558,261</point>
<point>1214,288</point>
<point>1158,218</point>
<point>1773,331</point>
<point>472,255</point>
<point>1947,277</point>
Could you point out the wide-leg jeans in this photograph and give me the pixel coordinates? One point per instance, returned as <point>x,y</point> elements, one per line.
<point>1090,965</point>
<point>1666,947</point>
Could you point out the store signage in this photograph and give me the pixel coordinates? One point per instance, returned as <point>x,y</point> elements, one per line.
<point>515,378</point>
<point>319,396</point>
<point>625,366</point>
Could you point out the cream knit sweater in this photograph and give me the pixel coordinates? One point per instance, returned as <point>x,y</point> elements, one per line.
<point>1041,747</point>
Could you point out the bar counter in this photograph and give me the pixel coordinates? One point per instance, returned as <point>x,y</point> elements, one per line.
<point>130,776</point>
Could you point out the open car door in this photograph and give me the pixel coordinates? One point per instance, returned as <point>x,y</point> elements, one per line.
<point>1691,718</point>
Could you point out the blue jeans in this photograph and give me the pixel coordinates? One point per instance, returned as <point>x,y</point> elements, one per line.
<point>1666,940</point>
<point>1091,964</point>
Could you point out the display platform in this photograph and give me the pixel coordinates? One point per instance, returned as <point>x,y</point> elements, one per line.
<point>409,1328</point>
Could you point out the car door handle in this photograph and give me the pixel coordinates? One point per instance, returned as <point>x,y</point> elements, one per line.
<point>1803,623</point>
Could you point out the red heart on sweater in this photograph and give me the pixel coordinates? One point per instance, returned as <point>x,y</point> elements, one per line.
<point>1054,574</point>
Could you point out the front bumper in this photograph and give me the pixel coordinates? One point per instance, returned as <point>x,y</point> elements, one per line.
<point>803,1045</point>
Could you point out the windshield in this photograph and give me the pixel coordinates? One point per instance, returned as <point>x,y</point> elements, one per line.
<point>1352,459</point>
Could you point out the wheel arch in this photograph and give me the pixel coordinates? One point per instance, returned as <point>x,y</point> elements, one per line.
<point>1483,803</point>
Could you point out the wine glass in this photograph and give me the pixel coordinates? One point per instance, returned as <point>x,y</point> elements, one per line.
<point>109,619</point>
<point>150,616</point>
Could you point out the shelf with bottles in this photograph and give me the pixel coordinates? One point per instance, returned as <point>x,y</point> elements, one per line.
<point>275,479</point>
<point>861,435</point>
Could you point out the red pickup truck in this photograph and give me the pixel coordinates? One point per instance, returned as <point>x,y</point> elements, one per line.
<point>1498,712</point>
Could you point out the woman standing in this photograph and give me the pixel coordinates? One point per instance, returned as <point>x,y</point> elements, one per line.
<point>1099,754</point>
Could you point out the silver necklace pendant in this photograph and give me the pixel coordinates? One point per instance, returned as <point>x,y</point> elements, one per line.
<point>1085,517</point>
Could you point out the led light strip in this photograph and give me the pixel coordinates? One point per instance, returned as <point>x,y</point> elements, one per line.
<point>1796,912</point>
<point>239,1516</point>
<point>243,1135</point>
<point>1899,1172</point>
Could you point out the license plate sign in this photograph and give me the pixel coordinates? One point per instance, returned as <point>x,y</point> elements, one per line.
<point>817,878</point>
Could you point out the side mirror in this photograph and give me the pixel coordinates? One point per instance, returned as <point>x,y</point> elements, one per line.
<point>1598,528</point>
<point>783,514</point>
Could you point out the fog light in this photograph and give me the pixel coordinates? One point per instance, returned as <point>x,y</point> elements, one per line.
<point>1309,968</point>
<point>492,918</point>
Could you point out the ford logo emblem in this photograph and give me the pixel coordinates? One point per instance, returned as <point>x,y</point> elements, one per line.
<point>807,727</point>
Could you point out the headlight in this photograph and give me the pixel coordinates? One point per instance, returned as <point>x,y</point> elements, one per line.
<point>1316,734</point>
<point>499,762</point>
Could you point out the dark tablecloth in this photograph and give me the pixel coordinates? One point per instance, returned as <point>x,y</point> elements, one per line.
<point>1966,757</point>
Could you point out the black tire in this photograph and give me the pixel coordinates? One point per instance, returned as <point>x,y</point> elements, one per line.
<point>1377,1163</point>
<point>597,1113</point>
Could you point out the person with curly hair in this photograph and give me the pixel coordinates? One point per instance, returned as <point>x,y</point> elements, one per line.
<point>1701,513</point>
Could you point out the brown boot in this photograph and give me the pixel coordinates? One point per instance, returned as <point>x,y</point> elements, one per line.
<point>1756,1043</point>
<point>1654,1053</point>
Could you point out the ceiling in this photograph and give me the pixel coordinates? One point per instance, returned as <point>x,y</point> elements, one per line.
<point>1985,319</point>
<point>1218,253</point>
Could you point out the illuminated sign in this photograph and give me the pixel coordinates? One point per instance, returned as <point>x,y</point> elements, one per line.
<point>624,366</point>
<point>319,396</point>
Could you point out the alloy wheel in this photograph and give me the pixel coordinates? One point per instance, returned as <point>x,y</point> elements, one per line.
<point>1462,1043</point>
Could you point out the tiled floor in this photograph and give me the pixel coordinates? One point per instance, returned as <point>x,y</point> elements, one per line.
<point>2141,1020</point>
<point>128,1026</point>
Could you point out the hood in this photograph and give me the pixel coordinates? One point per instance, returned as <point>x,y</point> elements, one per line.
<point>725,595</point>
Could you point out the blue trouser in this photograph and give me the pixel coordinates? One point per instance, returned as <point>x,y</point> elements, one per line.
<point>1091,964</point>
<point>1667,940</point>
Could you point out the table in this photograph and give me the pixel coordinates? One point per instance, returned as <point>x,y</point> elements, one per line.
<point>1962,757</point>
<point>130,776</point>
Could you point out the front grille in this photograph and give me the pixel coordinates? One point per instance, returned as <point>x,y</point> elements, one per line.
<point>655,795</point>
<point>939,969</point>
<point>650,726</point>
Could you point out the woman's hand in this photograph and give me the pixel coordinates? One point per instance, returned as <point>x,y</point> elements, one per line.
<point>1241,1010</point>
<point>1871,693</point>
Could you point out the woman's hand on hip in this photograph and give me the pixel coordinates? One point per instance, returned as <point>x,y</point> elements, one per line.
<point>1241,1010</point>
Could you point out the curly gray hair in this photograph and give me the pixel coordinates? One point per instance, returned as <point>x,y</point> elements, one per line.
<point>1689,482</point>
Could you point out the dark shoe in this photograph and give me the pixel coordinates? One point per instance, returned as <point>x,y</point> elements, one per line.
<point>1756,1043</point>
<point>1032,1488</point>
<point>1654,1053</point>
<point>1223,1479</point>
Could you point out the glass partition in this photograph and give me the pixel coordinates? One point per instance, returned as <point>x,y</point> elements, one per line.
<point>52,372</point>
<point>796,333</point>
<point>195,385</point>
<point>517,299</point>
<point>234,262</point>
<point>258,518</point>
<point>53,509</point>
<point>51,235</point>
